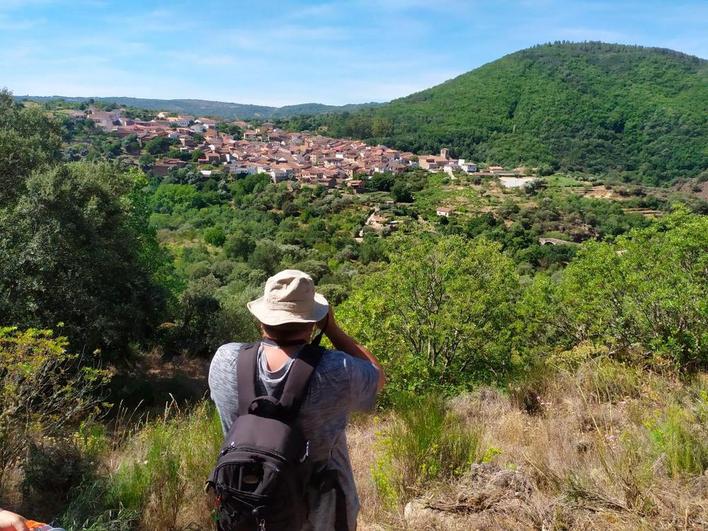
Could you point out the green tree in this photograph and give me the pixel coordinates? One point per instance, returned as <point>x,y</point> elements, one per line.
<point>266,257</point>
<point>401,192</point>
<point>28,140</point>
<point>440,315</point>
<point>230,129</point>
<point>159,145</point>
<point>371,249</point>
<point>170,198</point>
<point>200,311</point>
<point>239,245</point>
<point>382,182</point>
<point>215,236</point>
<point>71,253</point>
<point>146,162</point>
<point>196,155</point>
<point>647,293</point>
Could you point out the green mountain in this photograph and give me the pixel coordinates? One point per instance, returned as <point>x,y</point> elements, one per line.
<point>212,108</point>
<point>637,112</point>
<point>310,109</point>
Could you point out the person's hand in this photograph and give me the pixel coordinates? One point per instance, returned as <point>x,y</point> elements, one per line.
<point>11,521</point>
<point>327,323</point>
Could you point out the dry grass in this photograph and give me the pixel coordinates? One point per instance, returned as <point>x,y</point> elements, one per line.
<point>361,436</point>
<point>603,447</point>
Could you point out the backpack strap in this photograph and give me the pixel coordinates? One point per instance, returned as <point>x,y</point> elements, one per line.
<point>299,378</point>
<point>246,376</point>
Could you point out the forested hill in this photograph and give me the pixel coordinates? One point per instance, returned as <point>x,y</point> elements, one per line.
<point>219,109</point>
<point>593,107</point>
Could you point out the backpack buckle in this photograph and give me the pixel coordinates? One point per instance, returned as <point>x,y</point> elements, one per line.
<point>307,452</point>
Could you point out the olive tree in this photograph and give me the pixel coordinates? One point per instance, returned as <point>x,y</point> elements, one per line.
<point>440,315</point>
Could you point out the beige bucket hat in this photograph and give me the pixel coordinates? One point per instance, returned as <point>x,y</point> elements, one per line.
<point>289,297</point>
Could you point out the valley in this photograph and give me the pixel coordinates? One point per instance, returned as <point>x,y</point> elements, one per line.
<point>523,247</point>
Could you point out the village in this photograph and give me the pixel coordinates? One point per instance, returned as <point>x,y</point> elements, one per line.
<point>286,156</point>
<point>316,160</point>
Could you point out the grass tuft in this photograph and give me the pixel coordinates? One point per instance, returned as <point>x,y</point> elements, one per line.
<point>426,442</point>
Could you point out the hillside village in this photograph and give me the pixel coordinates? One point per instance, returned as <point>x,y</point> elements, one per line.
<point>303,157</point>
<point>336,164</point>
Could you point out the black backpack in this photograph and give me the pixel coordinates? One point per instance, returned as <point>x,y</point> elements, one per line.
<point>263,471</point>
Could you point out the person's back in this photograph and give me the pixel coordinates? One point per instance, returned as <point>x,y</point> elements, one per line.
<point>344,380</point>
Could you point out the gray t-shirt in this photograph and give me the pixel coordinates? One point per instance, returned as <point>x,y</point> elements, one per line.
<point>339,385</point>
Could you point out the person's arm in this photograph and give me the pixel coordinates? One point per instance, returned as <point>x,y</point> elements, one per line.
<point>11,521</point>
<point>344,342</point>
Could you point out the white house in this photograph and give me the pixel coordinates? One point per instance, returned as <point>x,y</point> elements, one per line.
<point>467,166</point>
<point>242,169</point>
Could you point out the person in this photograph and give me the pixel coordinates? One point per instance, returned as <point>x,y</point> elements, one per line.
<point>11,521</point>
<point>346,379</point>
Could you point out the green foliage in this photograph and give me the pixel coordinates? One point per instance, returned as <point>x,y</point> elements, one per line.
<point>77,235</point>
<point>564,216</point>
<point>594,107</point>
<point>199,309</point>
<point>43,388</point>
<point>401,192</point>
<point>130,144</point>
<point>215,236</point>
<point>169,198</point>
<point>423,444</point>
<point>266,257</point>
<point>679,435</point>
<point>52,469</point>
<point>159,145</point>
<point>146,161</point>
<point>250,184</point>
<point>239,245</point>
<point>160,473</point>
<point>28,140</point>
<point>446,321</point>
<point>382,182</point>
<point>230,129</point>
<point>648,289</point>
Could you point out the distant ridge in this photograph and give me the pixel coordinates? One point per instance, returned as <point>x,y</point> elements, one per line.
<point>218,109</point>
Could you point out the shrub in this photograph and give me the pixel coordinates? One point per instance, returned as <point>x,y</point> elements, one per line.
<point>52,469</point>
<point>43,388</point>
<point>215,236</point>
<point>647,291</point>
<point>440,316</point>
<point>160,474</point>
<point>424,443</point>
<point>607,380</point>
<point>680,437</point>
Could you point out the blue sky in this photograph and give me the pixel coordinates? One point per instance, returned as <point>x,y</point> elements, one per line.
<point>286,52</point>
